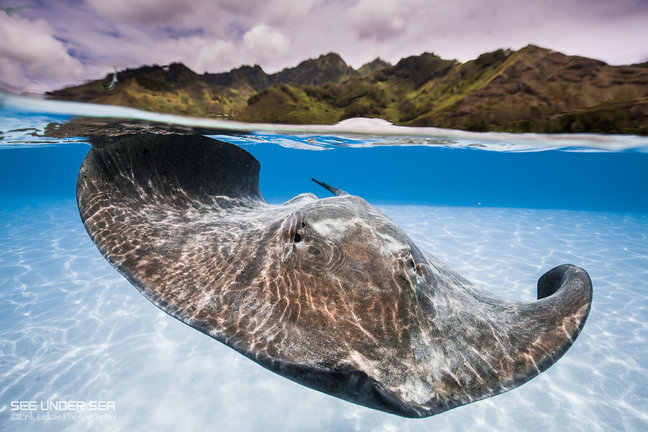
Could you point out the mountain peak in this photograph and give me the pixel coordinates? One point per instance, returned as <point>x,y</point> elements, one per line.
<point>253,75</point>
<point>331,55</point>
<point>419,68</point>
<point>178,73</point>
<point>373,65</point>
<point>326,68</point>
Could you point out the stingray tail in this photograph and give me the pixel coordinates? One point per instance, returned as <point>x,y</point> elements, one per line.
<point>335,191</point>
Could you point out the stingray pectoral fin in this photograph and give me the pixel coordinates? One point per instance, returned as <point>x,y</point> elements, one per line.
<point>478,345</point>
<point>564,294</point>
<point>568,280</point>
<point>157,170</point>
<point>565,297</point>
<point>545,329</point>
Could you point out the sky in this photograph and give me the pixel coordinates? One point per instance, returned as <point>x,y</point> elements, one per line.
<point>49,44</point>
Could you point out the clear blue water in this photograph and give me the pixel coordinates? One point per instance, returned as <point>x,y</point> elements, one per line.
<point>499,209</point>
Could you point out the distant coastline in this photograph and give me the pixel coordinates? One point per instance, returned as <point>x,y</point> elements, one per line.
<point>530,90</point>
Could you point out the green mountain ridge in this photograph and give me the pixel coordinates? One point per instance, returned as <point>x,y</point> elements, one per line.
<point>530,90</point>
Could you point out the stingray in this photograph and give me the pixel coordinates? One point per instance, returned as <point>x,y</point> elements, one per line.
<point>329,292</point>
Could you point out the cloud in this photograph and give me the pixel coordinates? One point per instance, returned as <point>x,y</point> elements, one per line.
<point>58,42</point>
<point>264,43</point>
<point>201,56</point>
<point>31,57</point>
<point>143,11</point>
<point>379,19</point>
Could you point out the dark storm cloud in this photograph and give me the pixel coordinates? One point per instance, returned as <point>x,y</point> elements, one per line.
<point>60,42</point>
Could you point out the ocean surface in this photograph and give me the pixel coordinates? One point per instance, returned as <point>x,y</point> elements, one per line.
<point>82,349</point>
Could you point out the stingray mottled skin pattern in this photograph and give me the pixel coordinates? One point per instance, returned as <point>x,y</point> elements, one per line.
<point>329,293</point>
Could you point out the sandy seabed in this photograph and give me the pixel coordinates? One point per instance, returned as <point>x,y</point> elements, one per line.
<point>73,330</point>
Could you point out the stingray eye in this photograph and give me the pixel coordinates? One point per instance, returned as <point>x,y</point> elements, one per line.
<point>298,237</point>
<point>417,267</point>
